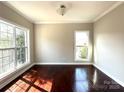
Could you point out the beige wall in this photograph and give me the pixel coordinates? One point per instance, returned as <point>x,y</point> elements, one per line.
<point>55,42</point>
<point>109,43</point>
<point>10,15</point>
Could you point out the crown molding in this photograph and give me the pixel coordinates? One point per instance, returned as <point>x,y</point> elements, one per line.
<point>62,22</point>
<point>108,10</point>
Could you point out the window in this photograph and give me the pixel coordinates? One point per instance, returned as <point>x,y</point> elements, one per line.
<point>81,45</point>
<point>21,46</point>
<point>13,47</point>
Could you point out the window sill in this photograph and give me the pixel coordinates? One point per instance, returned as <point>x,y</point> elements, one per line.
<point>9,73</point>
<point>82,60</point>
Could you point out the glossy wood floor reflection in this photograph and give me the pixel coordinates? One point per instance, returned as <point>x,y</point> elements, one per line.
<point>63,78</point>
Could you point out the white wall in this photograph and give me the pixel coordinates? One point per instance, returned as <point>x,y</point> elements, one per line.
<point>109,43</point>
<point>54,43</point>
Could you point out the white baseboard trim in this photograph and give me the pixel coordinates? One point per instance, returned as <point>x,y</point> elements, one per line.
<point>14,75</point>
<point>108,74</point>
<point>41,63</point>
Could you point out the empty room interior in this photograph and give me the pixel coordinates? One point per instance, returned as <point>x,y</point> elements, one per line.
<point>61,46</point>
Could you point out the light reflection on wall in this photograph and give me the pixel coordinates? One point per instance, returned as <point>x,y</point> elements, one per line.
<point>81,83</point>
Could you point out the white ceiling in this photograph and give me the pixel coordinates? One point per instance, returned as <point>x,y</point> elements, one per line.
<point>45,11</point>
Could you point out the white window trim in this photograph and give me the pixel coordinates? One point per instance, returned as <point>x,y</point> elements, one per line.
<point>4,75</point>
<point>88,57</point>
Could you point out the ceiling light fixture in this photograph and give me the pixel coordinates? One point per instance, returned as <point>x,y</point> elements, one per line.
<point>61,10</point>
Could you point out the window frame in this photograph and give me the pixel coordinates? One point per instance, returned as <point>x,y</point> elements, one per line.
<point>14,25</point>
<point>88,52</point>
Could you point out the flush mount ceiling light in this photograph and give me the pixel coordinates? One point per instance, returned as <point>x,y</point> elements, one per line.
<point>61,9</point>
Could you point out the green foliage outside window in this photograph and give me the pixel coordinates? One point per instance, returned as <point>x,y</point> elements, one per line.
<point>20,41</point>
<point>83,52</point>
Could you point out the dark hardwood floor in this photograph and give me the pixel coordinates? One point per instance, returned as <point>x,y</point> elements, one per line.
<point>63,78</point>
